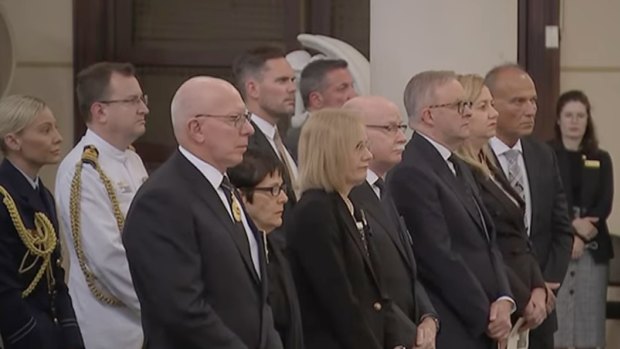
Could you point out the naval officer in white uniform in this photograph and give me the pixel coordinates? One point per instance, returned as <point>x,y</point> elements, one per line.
<point>95,184</point>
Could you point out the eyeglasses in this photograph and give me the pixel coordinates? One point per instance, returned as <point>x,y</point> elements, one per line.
<point>135,100</point>
<point>237,120</point>
<point>391,128</point>
<point>274,191</point>
<point>458,105</point>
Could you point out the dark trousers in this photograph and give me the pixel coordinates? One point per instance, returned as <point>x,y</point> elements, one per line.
<point>541,340</point>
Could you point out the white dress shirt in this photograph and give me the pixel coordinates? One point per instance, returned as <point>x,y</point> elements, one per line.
<point>443,151</point>
<point>102,325</point>
<point>371,178</point>
<point>269,131</point>
<point>214,176</point>
<point>500,149</point>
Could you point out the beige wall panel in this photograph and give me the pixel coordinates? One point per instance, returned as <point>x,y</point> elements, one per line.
<point>43,29</point>
<point>590,33</point>
<point>407,37</point>
<point>55,86</point>
<point>603,89</point>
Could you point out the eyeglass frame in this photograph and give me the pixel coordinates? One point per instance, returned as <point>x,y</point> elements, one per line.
<point>237,120</point>
<point>460,106</point>
<point>135,100</point>
<point>271,190</point>
<point>392,128</point>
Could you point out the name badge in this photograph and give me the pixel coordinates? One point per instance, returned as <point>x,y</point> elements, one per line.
<point>592,163</point>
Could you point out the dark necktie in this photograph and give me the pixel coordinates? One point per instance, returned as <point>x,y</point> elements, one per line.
<point>379,183</point>
<point>235,209</point>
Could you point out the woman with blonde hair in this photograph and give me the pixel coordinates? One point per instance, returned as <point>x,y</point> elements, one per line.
<point>36,307</point>
<point>330,245</point>
<point>505,206</point>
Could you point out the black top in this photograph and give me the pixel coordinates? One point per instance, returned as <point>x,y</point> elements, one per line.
<point>594,173</point>
<point>575,163</point>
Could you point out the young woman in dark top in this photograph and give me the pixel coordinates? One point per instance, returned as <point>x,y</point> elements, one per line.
<point>587,176</point>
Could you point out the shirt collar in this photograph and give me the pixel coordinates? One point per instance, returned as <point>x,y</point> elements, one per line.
<point>103,146</point>
<point>266,128</point>
<point>213,175</point>
<point>371,177</point>
<point>445,152</point>
<point>500,147</point>
<point>34,183</point>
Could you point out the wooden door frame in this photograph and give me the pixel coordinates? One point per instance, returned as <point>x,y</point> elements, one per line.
<point>543,64</point>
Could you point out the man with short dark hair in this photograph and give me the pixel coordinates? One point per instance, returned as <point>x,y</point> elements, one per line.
<point>267,83</point>
<point>95,184</point>
<point>324,83</point>
<point>532,169</point>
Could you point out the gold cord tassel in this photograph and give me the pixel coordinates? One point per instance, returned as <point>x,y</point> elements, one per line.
<point>40,242</point>
<point>90,156</point>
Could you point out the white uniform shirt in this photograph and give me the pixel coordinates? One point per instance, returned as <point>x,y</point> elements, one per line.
<point>102,325</point>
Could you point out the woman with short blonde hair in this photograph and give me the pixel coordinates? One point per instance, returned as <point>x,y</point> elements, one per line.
<point>323,158</point>
<point>330,245</point>
<point>36,307</point>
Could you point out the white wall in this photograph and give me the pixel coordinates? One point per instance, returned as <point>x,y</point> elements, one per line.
<point>410,36</point>
<point>43,37</point>
<point>590,61</point>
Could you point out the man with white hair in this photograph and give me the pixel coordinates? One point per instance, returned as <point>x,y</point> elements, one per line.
<point>386,138</point>
<point>197,261</point>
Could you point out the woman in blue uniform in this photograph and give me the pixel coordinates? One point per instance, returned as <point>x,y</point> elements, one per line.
<point>35,307</point>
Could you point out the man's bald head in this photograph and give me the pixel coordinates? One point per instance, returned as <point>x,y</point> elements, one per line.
<point>201,95</point>
<point>209,120</point>
<point>385,130</point>
<point>372,108</point>
<point>515,98</point>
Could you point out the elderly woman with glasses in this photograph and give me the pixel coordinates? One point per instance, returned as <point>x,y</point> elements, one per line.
<point>35,306</point>
<point>263,192</point>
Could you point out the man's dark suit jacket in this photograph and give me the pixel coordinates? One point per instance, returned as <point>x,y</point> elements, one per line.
<point>597,192</point>
<point>342,301</point>
<point>196,283</point>
<point>260,142</point>
<point>458,259</point>
<point>550,230</point>
<point>283,296</point>
<point>523,271</point>
<point>393,245</point>
<point>40,320</point>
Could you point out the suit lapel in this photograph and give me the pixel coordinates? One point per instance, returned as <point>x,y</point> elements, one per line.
<point>379,212</point>
<point>211,199</point>
<point>531,170</point>
<point>590,177</point>
<point>349,225</point>
<point>260,142</point>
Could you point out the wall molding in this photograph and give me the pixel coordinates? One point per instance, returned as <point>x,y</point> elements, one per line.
<point>590,69</point>
<point>35,64</point>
